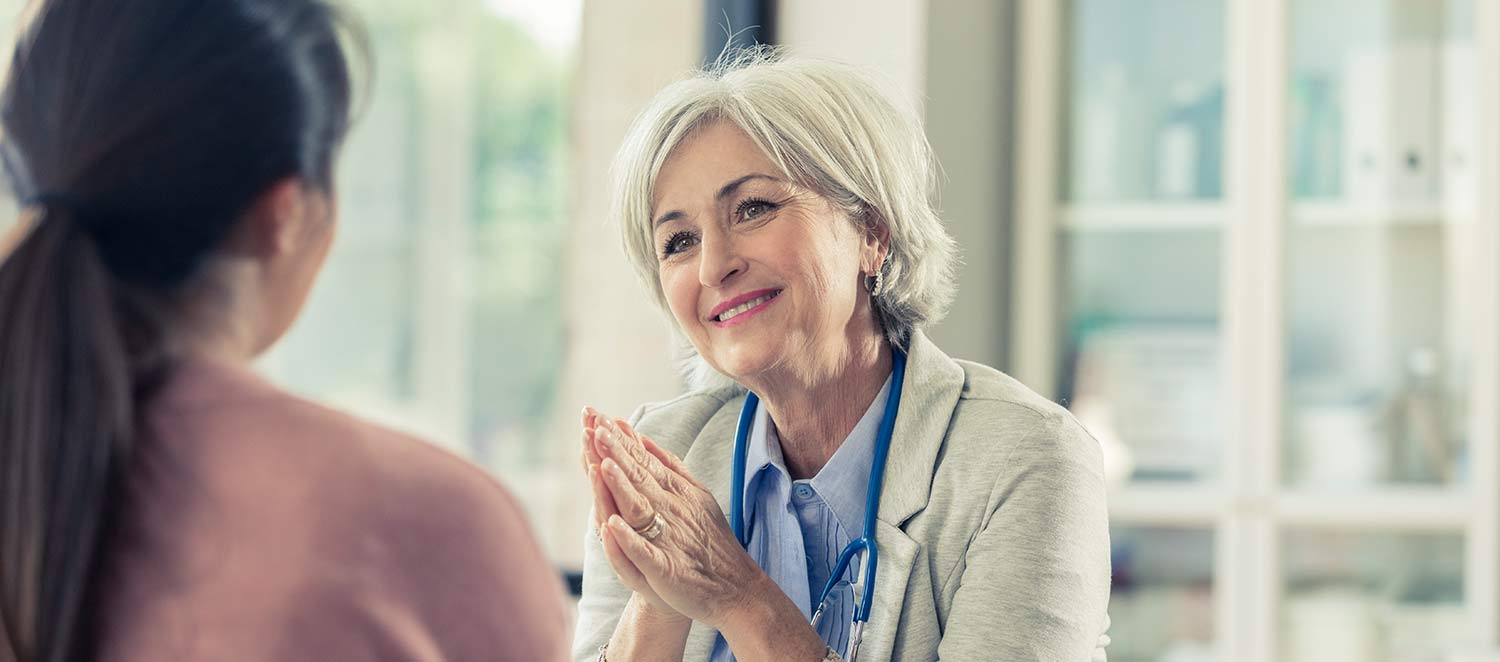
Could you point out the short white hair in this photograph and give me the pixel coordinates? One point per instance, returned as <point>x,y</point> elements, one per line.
<point>828,127</point>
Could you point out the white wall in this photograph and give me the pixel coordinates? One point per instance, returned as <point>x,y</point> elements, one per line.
<point>969,60</point>
<point>888,36</point>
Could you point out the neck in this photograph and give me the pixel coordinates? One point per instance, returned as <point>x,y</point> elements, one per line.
<point>219,320</point>
<point>814,413</point>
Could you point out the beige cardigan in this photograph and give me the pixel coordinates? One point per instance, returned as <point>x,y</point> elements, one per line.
<point>993,532</point>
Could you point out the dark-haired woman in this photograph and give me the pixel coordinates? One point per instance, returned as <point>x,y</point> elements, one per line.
<point>158,501</point>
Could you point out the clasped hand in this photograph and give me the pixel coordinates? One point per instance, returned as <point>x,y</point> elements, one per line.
<point>691,563</point>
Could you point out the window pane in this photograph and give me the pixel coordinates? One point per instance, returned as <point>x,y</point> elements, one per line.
<point>440,310</point>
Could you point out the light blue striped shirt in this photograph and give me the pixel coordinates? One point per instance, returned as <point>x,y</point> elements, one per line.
<point>799,528</point>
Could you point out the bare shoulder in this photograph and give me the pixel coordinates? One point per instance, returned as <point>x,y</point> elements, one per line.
<point>283,455</point>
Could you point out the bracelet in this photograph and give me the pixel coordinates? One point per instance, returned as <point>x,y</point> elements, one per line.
<point>601,652</point>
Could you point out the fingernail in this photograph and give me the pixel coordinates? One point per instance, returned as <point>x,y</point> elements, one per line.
<point>613,467</point>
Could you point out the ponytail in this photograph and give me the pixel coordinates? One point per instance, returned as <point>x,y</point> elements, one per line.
<point>141,164</point>
<point>67,421</point>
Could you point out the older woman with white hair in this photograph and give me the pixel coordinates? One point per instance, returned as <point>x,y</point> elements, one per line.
<point>883,499</point>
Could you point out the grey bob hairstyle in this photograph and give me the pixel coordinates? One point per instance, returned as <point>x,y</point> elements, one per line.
<point>829,128</point>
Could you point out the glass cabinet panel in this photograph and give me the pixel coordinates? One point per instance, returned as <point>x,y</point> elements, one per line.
<point>1139,249</point>
<point>1161,602</point>
<point>1382,131</point>
<point>1146,100</point>
<point>1374,597</point>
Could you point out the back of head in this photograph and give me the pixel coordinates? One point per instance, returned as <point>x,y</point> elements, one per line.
<point>136,133</point>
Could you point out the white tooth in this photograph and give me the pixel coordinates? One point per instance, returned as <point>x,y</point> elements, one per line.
<point>744,307</point>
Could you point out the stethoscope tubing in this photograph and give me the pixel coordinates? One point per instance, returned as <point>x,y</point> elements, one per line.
<point>866,542</point>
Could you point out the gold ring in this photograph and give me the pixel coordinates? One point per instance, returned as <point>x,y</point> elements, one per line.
<point>652,529</point>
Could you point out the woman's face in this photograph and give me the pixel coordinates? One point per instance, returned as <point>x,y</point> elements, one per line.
<point>760,274</point>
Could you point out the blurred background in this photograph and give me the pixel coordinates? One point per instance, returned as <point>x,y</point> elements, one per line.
<point>1248,242</point>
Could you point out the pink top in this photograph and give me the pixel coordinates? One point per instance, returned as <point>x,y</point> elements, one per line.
<point>259,526</point>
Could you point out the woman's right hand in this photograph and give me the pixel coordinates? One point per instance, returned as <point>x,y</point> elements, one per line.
<point>604,506</point>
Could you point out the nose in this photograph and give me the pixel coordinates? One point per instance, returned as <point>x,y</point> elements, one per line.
<point>720,261</point>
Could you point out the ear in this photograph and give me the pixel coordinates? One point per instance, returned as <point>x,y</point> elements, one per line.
<point>877,241</point>
<point>271,225</point>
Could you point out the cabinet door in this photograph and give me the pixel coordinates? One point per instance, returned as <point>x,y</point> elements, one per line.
<point>1139,233</point>
<point>1357,595</point>
<point>1379,251</point>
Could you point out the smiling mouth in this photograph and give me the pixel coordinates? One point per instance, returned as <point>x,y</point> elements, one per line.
<point>745,307</point>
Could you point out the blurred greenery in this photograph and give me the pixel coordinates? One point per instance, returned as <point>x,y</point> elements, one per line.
<point>522,206</point>
<point>520,94</point>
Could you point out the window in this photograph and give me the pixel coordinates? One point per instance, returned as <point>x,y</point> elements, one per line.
<point>439,309</point>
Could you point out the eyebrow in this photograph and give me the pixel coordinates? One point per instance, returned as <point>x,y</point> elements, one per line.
<point>724,192</point>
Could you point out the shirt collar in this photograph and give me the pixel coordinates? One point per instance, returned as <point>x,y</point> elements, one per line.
<point>842,483</point>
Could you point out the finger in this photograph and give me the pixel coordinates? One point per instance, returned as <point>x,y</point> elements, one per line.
<point>591,420</point>
<point>590,453</point>
<point>640,552</point>
<point>604,502</point>
<point>668,460</point>
<point>630,503</point>
<point>629,575</point>
<point>632,456</point>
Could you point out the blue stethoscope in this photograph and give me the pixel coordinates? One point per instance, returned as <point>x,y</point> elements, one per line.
<point>866,542</point>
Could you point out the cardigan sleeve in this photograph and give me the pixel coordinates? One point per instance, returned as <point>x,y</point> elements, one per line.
<point>1036,576</point>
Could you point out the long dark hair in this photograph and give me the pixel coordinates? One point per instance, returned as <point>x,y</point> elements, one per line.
<point>138,132</point>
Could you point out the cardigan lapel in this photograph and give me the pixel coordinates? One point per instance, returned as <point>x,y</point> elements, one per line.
<point>898,555</point>
<point>933,385</point>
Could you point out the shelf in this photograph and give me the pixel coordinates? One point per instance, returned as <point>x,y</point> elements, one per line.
<point>1185,504</point>
<point>1354,214</point>
<point>1389,508</point>
<point>1144,216</point>
<point>1212,215</point>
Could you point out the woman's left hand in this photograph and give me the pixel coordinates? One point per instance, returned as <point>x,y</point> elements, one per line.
<point>694,563</point>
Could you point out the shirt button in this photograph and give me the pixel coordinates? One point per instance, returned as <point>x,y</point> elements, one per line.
<point>803,492</point>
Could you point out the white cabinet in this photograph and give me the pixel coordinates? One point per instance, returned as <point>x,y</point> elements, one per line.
<point>1255,253</point>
